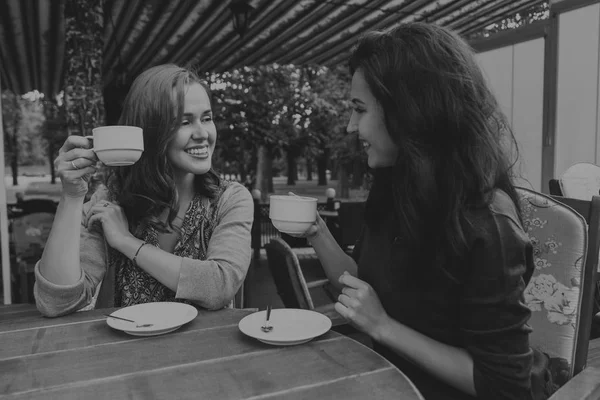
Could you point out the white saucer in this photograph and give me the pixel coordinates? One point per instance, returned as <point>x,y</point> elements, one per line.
<point>165,317</point>
<point>291,326</point>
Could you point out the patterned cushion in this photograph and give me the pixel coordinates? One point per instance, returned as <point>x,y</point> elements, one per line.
<point>559,238</point>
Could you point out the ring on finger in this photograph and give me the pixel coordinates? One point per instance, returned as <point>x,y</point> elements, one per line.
<point>74,165</point>
<point>106,204</point>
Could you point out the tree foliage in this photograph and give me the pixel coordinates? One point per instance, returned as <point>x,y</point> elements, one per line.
<point>295,112</point>
<point>22,122</point>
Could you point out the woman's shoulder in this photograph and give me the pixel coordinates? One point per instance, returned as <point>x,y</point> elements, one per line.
<point>232,194</point>
<point>502,205</point>
<point>500,214</point>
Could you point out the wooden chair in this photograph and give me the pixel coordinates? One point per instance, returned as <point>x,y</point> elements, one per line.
<point>554,186</point>
<point>560,292</point>
<point>589,211</point>
<point>295,291</point>
<point>290,282</point>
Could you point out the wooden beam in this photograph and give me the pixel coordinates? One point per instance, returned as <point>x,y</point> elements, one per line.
<point>345,43</point>
<point>338,26</point>
<point>278,36</point>
<point>263,16</point>
<point>340,22</point>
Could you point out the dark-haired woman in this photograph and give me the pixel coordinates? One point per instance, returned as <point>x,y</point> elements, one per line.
<point>164,229</point>
<point>437,276</point>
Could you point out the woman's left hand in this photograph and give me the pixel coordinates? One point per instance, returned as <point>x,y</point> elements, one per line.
<point>113,221</point>
<point>360,305</point>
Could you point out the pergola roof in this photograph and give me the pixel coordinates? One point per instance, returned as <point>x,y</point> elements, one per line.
<point>142,33</point>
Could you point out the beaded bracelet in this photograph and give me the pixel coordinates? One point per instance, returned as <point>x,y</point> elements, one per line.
<point>137,252</point>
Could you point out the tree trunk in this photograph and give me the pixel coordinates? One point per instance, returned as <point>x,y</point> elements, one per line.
<point>264,172</point>
<point>51,160</point>
<point>14,160</point>
<point>357,173</point>
<point>322,162</point>
<point>292,173</point>
<point>309,167</point>
<point>344,190</point>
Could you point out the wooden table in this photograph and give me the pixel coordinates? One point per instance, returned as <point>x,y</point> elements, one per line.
<point>586,384</point>
<point>80,357</point>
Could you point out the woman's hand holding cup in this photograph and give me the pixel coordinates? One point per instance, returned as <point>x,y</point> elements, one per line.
<point>75,164</point>
<point>313,231</point>
<point>296,216</point>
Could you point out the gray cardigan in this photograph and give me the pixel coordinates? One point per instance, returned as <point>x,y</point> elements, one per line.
<point>210,283</point>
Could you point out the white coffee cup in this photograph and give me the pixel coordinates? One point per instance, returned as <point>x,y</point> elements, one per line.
<point>292,214</point>
<point>118,145</point>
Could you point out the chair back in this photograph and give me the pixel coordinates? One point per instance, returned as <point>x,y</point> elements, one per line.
<point>287,274</point>
<point>561,289</point>
<point>581,181</point>
<point>554,186</point>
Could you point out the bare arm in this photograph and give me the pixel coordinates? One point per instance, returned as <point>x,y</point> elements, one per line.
<point>333,259</point>
<point>60,259</point>
<point>213,282</point>
<point>450,364</point>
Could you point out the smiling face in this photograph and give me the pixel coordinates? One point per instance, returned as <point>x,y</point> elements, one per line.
<point>368,121</point>
<point>190,152</point>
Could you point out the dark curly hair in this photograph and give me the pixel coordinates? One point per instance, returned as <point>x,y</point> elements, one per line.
<point>447,125</point>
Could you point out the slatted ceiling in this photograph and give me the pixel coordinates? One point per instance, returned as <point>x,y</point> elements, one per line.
<point>135,39</point>
<point>165,28</point>
<point>320,34</point>
<point>55,48</point>
<point>10,26</point>
<point>337,42</point>
<point>185,30</point>
<point>43,26</point>
<point>472,28</point>
<point>497,9</point>
<point>301,22</point>
<point>429,12</point>
<point>447,9</point>
<point>123,23</point>
<point>260,32</point>
<point>210,39</point>
<point>140,38</point>
<point>29,11</point>
<point>211,36</point>
<point>384,20</point>
<point>200,33</point>
<point>195,33</point>
<point>473,9</point>
<point>257,51</point>
<point>344,41</point>
<point>262,18</point>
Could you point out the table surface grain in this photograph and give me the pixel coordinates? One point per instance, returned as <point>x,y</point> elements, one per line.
<point>80,356</point>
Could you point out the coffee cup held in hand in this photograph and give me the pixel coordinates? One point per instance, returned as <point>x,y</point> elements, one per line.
<point>118,145</point>
<point>292,214</point>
